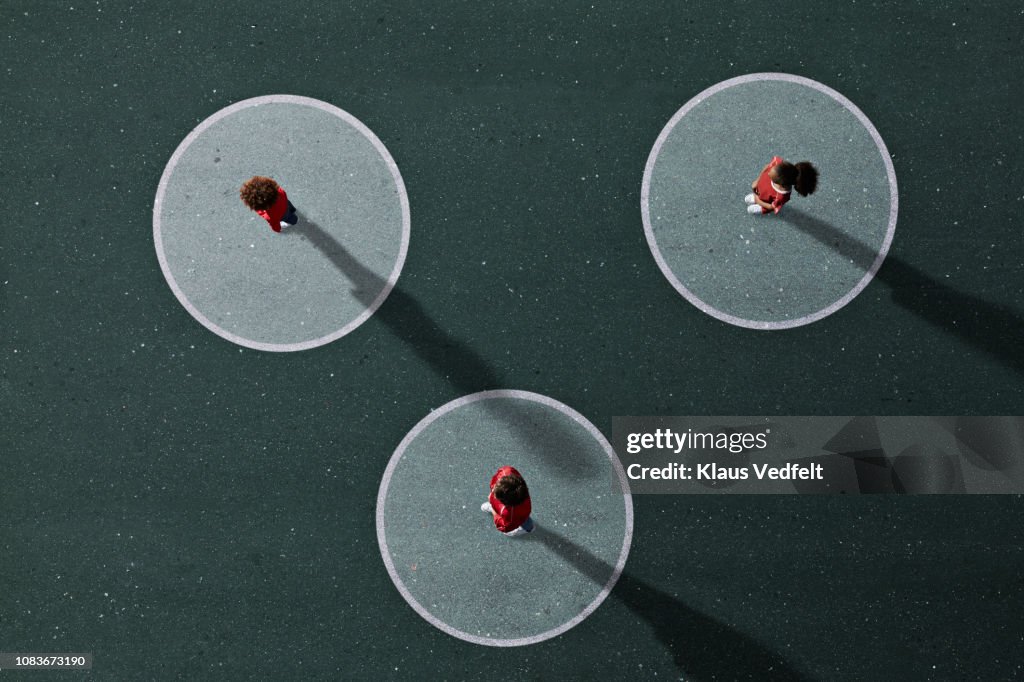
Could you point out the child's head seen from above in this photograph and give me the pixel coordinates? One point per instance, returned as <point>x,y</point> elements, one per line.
<point>802,176</point>
<point>259,192</point>
<point>510,490</point>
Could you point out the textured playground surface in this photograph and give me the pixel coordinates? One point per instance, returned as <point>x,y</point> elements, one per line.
<point>780,270</point>
<point>246,283</point>
<point>447,558</point>
<point>194,443</point>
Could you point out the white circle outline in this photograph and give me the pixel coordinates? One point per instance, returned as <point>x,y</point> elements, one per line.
<point>466,400</point>
<point>281,99</point>
<point>693,298</point>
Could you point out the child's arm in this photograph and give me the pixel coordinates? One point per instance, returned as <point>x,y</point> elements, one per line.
<point>763,204</point>
<point>275,227</point>
<point>499,522</point>
<point>754,184</point>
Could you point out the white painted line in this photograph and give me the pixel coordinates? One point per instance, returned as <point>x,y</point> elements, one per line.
<point>645,193</point>
<point>254,102</point>
<point>454,405</point>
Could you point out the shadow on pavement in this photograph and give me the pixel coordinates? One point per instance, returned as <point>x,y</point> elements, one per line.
<point>449,357</point>
<point>701,647</point>
<point>991,328</point>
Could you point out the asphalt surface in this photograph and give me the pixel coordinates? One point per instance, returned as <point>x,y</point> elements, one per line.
<point>459,571</point>
<point>759,270</point>
<point>265,289</point>
<point>187,508</point>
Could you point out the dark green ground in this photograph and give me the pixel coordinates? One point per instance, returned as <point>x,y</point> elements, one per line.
<point>183,508</point>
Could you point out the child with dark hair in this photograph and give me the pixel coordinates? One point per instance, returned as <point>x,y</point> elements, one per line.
<point>509,502</point>
<point>267,198</point>
<point>777,179</point>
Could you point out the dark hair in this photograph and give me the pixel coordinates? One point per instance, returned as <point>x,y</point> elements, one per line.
<point>259,192</point>
<point>802,176</point>
<point>510,490</point>
<point>806,178</point>
<point>786,173</point>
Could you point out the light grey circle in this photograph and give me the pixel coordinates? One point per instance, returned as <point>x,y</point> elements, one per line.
<point>771,271</point>
<point>279,291</point>
<point>445,556</point>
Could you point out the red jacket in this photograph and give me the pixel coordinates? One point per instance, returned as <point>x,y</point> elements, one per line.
<point>274,214</point>
<point>766,192</point>
<point>507,519</point>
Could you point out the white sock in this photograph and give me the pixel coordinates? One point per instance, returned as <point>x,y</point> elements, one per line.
<point>749,199</point>
<point>754,209</point>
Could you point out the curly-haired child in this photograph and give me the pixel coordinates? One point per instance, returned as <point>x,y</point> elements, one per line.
<point>775,183</point>
<point>509,502</point>
<point>267,198</point>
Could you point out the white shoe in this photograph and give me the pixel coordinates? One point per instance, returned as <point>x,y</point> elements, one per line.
<point>754,210</point>
<point>284,224</point>
<point>485,507</point>
<point>749,199</point>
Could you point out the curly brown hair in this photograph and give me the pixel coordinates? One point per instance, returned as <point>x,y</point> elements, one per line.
<point>259,192</point>
<point>510,490</point>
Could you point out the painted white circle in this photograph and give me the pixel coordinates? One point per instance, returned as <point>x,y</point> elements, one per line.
<point>281,291</point>
<point>722,284</point>
<point>436,518</point>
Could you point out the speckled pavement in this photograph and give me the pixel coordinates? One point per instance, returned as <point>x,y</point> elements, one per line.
<point>446,556</point>
<point>187,508</point>
<point>238,277</point>
<point>758,271</point>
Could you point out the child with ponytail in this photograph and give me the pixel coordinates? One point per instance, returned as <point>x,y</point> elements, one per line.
<point>775,183</point>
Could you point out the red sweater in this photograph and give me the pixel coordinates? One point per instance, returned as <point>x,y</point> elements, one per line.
<point>766,192</point>
<point>274,214</point>
<point>507,519</point>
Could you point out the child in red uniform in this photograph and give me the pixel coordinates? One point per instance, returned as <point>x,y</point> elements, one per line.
<point>777,179</point>
<point>267,198</point>
<point>509,502</point>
